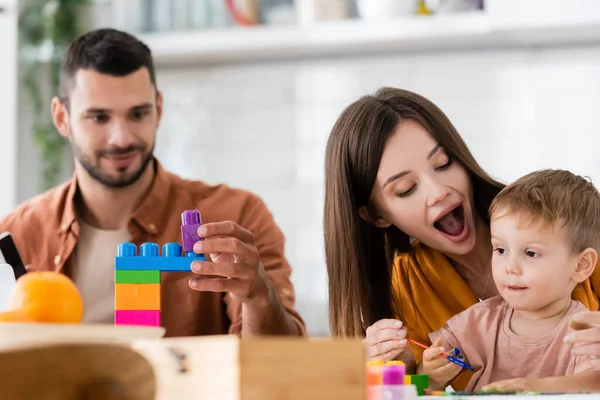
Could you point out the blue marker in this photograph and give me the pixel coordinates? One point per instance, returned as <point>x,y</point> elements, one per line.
<point>460,363</point>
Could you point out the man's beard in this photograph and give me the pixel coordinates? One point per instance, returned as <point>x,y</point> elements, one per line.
<point>105,179</point>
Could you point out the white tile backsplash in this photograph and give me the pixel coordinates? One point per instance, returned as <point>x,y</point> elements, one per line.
<point>310,162</point>
<point>321,83</point>
<point>243,128</point>
<point>313,123</point>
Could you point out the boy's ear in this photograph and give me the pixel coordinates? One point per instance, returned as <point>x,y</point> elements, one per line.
<point>586,263</point>
<point>369,216</point>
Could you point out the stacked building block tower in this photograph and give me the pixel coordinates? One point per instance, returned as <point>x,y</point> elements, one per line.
<point>137,276</point>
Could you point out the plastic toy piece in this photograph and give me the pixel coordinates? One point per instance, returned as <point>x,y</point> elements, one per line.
<point>420,381</point>
<point>190,222</point>
<point>393,382</point>
<point>374,369</point>
<point>149,259</point>
<point>137,296</point>
<point>393,374</point>
<point>124,276</point>
<point>137,317</point>
<point>137,277</point>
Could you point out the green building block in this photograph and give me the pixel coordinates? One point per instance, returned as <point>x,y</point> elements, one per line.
<point>420,381</point>
<point>128,276</point>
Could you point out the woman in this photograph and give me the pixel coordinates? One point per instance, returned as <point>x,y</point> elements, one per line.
<point>407,238</point>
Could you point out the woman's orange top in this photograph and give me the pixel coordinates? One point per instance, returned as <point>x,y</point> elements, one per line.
<point>428,291</point>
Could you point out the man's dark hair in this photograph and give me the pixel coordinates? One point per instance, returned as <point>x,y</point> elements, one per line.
<point>107,51</point>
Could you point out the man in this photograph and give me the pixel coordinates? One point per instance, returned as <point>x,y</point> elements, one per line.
<point>109,109</point>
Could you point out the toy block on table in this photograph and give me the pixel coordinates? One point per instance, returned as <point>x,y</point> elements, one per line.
<point>137,277</point>
<point>140,276</point>
<point>137,296</point>
<point>137,317</point>
<point>171,259</point>
<point>420,381</point>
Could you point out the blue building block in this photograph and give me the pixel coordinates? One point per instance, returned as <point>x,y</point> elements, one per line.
<point>149,259</point>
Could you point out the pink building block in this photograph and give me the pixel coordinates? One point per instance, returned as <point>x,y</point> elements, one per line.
<point>137,317</point>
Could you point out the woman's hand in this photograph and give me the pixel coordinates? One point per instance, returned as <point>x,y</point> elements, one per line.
<point>386,340</point>
<point>586,338</point>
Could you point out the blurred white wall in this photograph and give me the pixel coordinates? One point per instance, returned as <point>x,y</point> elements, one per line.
<point>8,105</point>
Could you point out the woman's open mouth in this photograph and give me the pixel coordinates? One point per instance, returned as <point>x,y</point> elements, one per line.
<point>452,223</point>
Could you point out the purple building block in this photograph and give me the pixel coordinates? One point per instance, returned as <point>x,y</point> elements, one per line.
<point>190,221</point>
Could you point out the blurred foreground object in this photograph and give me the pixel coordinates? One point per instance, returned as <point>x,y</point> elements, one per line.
<point>269,368</point>
<point>76,372</point>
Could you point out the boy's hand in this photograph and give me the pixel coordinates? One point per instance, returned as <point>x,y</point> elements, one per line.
<point>513,385</point>
<point>440,370</point>
<point>386,340</point>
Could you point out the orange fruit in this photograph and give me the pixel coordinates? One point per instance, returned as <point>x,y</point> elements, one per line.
<point>14,316</point>
<point>45,296</point>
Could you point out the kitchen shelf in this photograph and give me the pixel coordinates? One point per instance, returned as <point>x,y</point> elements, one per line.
<point>353,37</point>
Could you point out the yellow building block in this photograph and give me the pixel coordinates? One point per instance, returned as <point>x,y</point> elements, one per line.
<point>137,296</point>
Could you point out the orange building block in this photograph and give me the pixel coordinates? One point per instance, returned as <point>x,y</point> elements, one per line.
<point>137,296</point>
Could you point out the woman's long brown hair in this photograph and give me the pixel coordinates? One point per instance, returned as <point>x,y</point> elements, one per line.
<point>359,256</point>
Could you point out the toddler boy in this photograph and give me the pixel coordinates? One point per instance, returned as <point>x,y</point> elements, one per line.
<point>545,234</point>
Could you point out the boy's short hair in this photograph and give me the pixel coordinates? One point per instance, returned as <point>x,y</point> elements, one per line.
<point>553,196</point>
